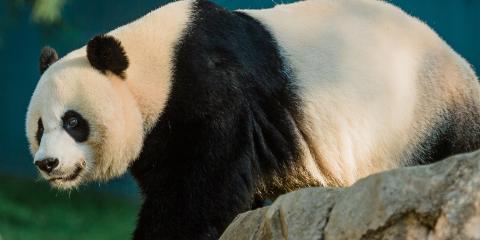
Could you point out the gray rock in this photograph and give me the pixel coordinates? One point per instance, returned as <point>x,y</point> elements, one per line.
<point>438,201</point>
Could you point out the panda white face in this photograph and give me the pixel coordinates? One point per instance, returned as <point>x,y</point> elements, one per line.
<point>82,124</point>
<point>62,155</point>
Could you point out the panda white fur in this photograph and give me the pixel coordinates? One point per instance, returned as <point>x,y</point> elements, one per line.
<point>213,109</point>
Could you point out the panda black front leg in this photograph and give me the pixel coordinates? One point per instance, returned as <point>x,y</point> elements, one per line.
<point>196,176</point>
<point>189,215</point>
<point>190,210</point>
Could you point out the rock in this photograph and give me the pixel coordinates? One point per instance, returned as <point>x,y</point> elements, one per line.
<point>438,201</point>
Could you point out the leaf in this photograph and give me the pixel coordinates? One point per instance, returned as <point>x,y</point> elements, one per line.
<point>47,11</point>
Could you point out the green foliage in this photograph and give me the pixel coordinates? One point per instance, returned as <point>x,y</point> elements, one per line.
<point>32,210</point>
<point>42,11</point>
<point>47,11</point>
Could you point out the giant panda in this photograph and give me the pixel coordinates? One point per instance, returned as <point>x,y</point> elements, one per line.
<point>214,110</point>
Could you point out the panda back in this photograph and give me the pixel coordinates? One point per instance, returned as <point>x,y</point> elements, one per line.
<point>370,90</point>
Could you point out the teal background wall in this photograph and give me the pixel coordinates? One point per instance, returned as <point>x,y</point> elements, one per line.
<point>457,21</point>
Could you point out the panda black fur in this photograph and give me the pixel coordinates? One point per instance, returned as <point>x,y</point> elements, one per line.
<point>228,114</point>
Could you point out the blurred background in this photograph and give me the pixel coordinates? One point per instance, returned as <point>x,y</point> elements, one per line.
<point>30,209</point>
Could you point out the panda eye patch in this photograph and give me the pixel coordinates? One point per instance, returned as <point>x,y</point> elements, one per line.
<point>76,126</point>
<point>39,134</point>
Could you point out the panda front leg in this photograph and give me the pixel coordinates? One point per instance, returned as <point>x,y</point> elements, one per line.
<point>193,193</point>
<point>199,207</point>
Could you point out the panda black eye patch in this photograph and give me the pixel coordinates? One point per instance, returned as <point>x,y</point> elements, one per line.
<point>39,133</point>
<point>75,125</point>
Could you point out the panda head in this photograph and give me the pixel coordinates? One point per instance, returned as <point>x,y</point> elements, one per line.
<point>83,122</point>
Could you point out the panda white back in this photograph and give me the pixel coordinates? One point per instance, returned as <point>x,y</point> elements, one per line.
<point>366,75</point>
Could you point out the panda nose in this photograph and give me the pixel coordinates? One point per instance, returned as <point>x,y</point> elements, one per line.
<point>47,164</point>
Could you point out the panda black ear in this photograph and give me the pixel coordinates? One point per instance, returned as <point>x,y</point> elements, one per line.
<point>48,56</point>
<point>106,53</point>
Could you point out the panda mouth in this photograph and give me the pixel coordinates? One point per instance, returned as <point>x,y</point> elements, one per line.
<point>68,178</point>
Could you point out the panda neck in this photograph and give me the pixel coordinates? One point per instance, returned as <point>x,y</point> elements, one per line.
<point>149,75</point>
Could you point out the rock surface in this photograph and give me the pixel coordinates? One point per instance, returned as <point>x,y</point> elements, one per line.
<point>439,201</point>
